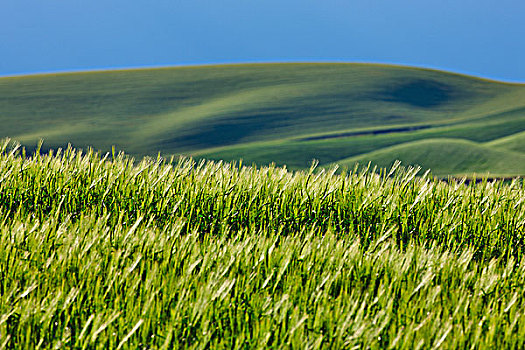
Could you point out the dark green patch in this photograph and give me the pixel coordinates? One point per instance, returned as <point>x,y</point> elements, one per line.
<point>418,93</point>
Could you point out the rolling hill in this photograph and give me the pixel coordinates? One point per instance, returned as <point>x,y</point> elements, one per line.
<point>448,156</point>
<point>288,114</point>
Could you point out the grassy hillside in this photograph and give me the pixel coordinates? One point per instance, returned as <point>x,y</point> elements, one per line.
<point>282,113</point>
<point>514,142</point>
<point>107,253</point>
<point>450,156</point>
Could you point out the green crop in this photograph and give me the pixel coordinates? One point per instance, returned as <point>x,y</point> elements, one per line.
<point>99,251</point>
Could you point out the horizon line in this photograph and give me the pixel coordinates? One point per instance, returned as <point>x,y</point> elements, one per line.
<point>255,62</point>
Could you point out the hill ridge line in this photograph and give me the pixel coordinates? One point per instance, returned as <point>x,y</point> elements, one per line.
<point>247,64</point>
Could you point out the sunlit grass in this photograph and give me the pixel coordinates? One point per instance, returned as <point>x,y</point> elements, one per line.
<point>100,251</point>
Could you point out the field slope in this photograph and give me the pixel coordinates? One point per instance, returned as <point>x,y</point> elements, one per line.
<point>283,113</point>
<point>450,156</point>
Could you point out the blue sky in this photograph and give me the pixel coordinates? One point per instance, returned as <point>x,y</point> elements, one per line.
<point>482,37</point>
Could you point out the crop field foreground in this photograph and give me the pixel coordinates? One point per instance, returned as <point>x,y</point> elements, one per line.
<point>98,251</point>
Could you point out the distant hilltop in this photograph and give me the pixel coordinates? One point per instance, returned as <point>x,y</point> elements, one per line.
<point>287,114</point>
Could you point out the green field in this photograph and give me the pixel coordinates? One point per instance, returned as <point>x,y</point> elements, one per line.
<point>108,251</point>
<point>288,114</point>
<point>101,252</point>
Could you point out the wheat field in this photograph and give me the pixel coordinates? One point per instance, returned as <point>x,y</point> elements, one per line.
<point>99,251</point>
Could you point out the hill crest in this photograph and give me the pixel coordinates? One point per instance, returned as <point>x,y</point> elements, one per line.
<point>279,112</point>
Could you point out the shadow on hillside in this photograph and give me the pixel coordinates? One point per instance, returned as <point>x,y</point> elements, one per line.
<point>418,93</point>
